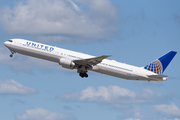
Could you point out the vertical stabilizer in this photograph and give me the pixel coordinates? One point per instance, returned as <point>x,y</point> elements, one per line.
<point>159,65</point>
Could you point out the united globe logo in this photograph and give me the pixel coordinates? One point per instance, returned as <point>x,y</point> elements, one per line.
<point>155,67</point>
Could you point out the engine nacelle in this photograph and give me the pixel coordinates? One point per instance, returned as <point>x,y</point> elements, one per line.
<point>66,63</point>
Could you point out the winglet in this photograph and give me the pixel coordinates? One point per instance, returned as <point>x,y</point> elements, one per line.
<point>159,65</point>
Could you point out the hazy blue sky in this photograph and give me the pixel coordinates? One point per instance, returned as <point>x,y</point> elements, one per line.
<point>135,32</point>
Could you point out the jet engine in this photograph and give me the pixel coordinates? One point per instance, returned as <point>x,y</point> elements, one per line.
<point>66,63</point>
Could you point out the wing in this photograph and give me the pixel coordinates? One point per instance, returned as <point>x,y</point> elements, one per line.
<point>91,61</point>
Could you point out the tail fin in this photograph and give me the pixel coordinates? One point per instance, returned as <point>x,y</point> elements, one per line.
<point>159,65</point>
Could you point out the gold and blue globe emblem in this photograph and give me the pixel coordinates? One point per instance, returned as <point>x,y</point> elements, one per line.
<point>155,67</point>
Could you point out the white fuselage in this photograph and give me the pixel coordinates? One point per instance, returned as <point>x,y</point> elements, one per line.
<point>54,54</point>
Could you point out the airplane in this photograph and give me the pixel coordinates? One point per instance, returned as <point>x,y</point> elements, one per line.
<point>84,62</point>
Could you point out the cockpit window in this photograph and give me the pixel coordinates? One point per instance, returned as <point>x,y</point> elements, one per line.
<point>10,40</point>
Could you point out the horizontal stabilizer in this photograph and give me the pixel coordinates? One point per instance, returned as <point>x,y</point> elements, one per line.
<point>157,76</point>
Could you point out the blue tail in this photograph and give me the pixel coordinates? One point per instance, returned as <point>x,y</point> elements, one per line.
<point>159,65</point>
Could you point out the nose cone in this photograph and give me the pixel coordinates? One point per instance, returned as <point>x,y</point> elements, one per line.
<point>7,43</point>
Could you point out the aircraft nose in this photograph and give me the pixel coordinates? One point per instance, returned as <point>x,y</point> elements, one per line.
<point>6,43</point>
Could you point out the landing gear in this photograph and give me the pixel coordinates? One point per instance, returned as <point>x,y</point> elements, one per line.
<point>11,55</point>
<point>82,70</point>
<point>83,75</point>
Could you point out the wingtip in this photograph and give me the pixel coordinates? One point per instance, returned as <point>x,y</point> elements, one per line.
<point>107,55</point>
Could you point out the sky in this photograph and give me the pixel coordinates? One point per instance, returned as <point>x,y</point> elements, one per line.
<point>134,32</point>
